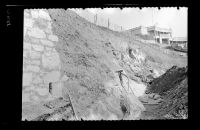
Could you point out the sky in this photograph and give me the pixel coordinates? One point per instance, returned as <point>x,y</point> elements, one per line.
<point>133,17</point>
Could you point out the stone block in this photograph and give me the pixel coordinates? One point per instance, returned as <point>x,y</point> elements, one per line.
<point>35,98</point>
<point>28,22</point>
<point>25,31</point>
<point>34,13</point>
<point>25,54</point>
<point>47,53</point>
<point>52,76</point>
<point>27,79</point>
<point>41,23</point>
<point>35,55</point>
<point>43,14</point>
<point>52,61</point>
<point>25,97</point>
<point>27,46</point>
<point>53,38</point>
<point>26,14</point>
<point>29,88</point>
<point>42,91</point>
<point>37,47</point>
<point>35,62</point>
<point>47,43</point>
<point>26,61</point>
<point>48,48</point>
<point>37,33</point>
<point>34,40</point>
<point>33,68</point>
<point>37,80</point>
<point>24,68</point>
<point>48,30</point>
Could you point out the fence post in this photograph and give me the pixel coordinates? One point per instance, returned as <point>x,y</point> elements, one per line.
<point>108,23</point>
<point>95,19</point>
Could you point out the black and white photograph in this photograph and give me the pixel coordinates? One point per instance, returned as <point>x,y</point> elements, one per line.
<point>105,64</point>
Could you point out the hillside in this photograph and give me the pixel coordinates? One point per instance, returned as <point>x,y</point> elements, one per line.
<point>89,56</point>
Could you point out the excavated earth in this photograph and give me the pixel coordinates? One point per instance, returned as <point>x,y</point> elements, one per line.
<point>167,96</point>
<point>90,56</point>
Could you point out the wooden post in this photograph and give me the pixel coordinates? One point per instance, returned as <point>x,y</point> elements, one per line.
<point>95,19</point>
<point>50,88</point>
<point>108,23</point>
<point>72,105</point>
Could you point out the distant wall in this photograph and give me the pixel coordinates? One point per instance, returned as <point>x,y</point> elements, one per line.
<point>144,30</point>
<point>141,30</point>
<point>41,61</point>
<point>136,31</point>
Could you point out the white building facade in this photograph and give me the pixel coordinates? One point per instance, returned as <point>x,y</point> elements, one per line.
<point>159,35</point>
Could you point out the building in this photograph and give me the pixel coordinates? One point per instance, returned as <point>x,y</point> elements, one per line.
<point>141,30</point>
<point>179,41</point>
<point>141,33</point>
<point>157,34</point>
<point>160,35</point>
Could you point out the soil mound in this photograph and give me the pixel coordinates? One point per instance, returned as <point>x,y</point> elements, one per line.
<point>169,93</point>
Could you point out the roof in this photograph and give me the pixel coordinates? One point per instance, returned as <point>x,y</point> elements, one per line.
<point>136,28</point>
<point>179,39</point>
<point>159,29</point>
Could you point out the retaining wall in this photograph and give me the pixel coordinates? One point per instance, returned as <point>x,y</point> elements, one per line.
<point>41,61</point>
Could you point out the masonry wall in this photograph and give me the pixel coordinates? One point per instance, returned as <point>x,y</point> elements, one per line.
<point>41,61</point>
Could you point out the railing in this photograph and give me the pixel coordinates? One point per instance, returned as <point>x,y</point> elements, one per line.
<point>165,35</point>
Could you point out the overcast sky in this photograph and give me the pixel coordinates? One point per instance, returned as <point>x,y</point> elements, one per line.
<point>134,17</point>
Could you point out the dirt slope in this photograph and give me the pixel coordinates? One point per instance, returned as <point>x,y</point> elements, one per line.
<point>90,57</point>
<point>87,58</point>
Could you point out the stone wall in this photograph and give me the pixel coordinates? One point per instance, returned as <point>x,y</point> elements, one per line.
<point>41,61</point>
